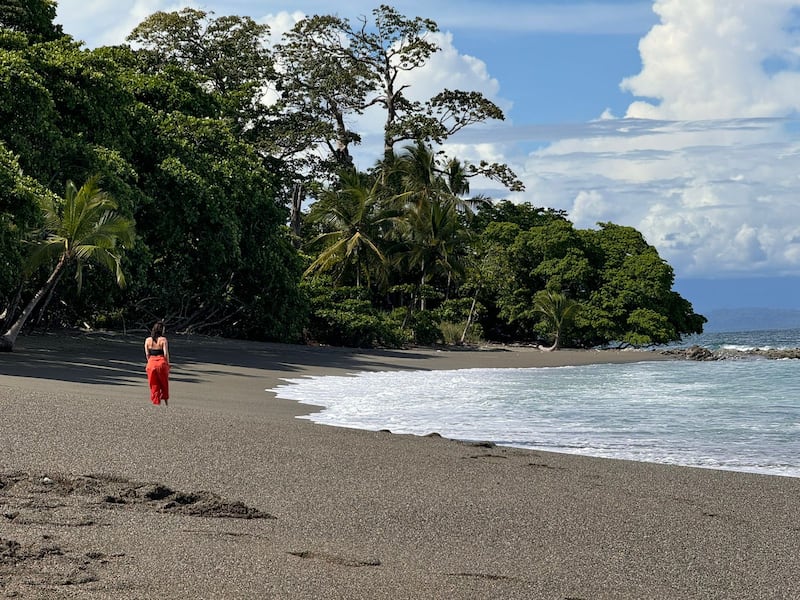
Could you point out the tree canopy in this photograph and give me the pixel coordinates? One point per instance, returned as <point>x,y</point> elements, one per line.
<point>32,18</point>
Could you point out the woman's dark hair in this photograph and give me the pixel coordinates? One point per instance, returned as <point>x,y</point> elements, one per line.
<point>158,330</point>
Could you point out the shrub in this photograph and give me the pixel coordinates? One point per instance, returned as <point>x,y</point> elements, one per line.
<point>345,316</point>
<point>452,332</point>
<point>425,326</point>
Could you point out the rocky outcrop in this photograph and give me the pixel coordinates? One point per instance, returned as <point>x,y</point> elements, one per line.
<point>788,353</point>
<point>700,353</point>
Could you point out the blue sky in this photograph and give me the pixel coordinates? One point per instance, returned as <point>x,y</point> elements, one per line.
<point>677,117</point>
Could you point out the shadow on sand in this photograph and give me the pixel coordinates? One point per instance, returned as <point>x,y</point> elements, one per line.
<point>118,359</point>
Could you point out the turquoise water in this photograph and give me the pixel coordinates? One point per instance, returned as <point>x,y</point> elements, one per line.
<point>740,415</point>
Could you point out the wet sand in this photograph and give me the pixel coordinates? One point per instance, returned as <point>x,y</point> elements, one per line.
<point>224,494</point>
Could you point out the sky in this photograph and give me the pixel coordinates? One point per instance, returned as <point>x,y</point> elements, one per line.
<point>680,118</point>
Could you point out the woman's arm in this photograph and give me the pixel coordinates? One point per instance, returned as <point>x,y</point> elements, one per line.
<point>146,353</point>
<point>166,350</point>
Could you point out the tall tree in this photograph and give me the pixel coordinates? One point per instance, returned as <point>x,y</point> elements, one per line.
<point>353,217</point>
<point>322,84</point>
<point>632,300</point>
<point>432,229</point>
<point>490,276</point>
<point>335,71</point>
<point>34,18</point>
<point>436,240</point>
<point>209,217</point>
<point>228,54</point>
<point>622,285</point>
<point>28,118</point>
<point>81,228</point>
<point>523,214</point>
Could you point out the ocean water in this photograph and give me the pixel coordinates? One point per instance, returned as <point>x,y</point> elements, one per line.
<point>741,415</point>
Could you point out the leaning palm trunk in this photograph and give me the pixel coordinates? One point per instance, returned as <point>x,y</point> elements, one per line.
<point>10,336</point>
<point>556,344</point>
<point>46,303</point>
<point>11,309</point>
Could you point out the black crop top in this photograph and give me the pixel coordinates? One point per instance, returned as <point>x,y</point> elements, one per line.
<point>156,352</point>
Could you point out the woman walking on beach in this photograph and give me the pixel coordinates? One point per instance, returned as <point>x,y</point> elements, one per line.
<point>156,349</point>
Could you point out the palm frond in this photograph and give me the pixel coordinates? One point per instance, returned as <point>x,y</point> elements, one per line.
<point>83,226</point>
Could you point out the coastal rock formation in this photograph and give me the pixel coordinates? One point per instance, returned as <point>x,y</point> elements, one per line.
<point>772,353</point>
<point>701,353</point>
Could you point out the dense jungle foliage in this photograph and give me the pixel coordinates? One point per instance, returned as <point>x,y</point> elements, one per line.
<point>224,165</point>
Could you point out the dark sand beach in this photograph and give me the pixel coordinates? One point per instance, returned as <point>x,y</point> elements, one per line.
<point>224,494</point>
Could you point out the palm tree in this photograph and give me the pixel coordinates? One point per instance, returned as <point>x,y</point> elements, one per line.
<point>420,176</point>
<point>428,179</point>
<point>558,311</point>
<point>436,240</point>
<point>352,217</point>
<point>82,227</point>
<point>434,235</point>
<point>457,180</point>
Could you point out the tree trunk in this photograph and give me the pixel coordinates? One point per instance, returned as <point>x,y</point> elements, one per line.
<point>422,303</point>
<point>409,311</point>
<point>10,336</point>
<point>298,196</point>
<point>11,308</point>
<point>556,344</point>
<point>47,300</point>
<point>469,316</point>
<point>391,111</point>
<point>342,151</point>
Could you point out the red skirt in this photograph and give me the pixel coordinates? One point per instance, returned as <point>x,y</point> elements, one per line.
<point>158,377</point>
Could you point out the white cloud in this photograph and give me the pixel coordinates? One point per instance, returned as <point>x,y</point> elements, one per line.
<point>690,193</point>
<point>280,23</point>
<point>589,208</point>
<point>448,68</point>
<point>706,165</point>
<point>108,22</point>
<point>100,22</point>
<point>705,60</point>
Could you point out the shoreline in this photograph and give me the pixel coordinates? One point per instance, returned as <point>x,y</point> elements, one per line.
<point>352,513</point>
